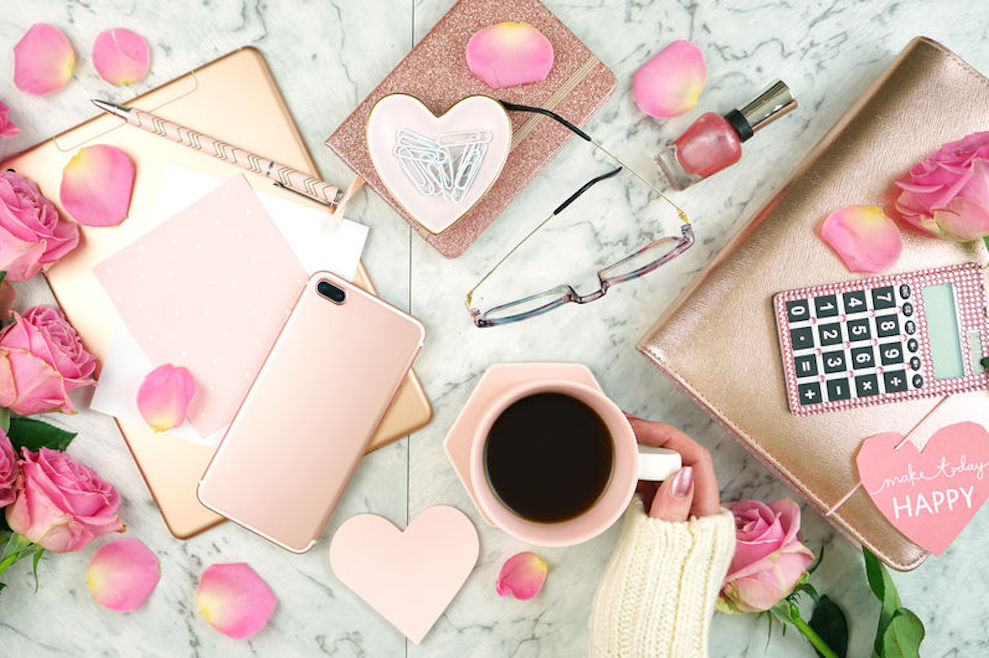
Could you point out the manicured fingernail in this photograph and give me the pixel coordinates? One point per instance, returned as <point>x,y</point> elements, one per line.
<point>682,481</point>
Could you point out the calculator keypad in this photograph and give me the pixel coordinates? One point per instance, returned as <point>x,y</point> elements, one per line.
<point>855,344</point>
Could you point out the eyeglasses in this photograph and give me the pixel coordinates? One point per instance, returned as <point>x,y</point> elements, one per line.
<point>647,259</point>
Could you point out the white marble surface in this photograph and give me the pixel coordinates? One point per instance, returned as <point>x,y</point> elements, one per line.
<point>326,56</point>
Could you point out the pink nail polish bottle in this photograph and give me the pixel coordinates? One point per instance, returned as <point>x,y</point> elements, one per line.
<point>713,142</point>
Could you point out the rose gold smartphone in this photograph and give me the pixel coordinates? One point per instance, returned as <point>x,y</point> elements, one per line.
<point>311,412</point>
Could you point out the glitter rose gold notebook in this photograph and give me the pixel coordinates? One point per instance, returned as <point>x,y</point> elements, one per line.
<point>925,98</point>
<point>203,98</point>
<point>436,73</point>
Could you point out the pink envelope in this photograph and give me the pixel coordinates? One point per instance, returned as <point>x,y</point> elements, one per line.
<point>208,289</point>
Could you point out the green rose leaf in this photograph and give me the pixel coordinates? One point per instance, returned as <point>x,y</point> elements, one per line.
<point>35,434</point>
<point>902,636</point>
<point>829,622</point>
<point>37,559</point>
<point>986,239</point>
<point>882,586</point>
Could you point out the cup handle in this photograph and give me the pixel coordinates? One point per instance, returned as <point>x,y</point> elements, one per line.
<point>657,464</point>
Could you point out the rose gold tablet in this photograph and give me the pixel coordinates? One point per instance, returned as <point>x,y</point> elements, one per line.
<point>311,412</point>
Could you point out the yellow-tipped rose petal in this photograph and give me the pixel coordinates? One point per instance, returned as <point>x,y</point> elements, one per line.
<point>863,237</point>
<point>165,396</point>
<point>97,184</point>
<point>668,84</point>
<point>234,600</point>
<point>508,54</point>
<point>121,57</point>
<point>43,60</point>
<point>122,575</point>
<point>522,576</point>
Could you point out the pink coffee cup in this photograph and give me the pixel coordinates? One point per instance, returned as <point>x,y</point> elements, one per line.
<point>631,462</point>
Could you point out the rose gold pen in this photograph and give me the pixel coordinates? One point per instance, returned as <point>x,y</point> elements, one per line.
<point>283,175</point>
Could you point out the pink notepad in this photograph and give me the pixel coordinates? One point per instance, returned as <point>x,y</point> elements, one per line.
<point>208,289</point>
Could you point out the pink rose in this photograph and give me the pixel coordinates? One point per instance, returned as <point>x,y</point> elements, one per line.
<point>32,235</point>
<point>769,558</point>
<point>41,362</point>
<point>8,470</point>
<point>947,194</point>
<point>61,504</point>
<point>7,127</point>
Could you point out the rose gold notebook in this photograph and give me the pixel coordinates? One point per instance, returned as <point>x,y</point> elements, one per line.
<point>203,98</point>
<point>436,73</point>
<point>925,98</point>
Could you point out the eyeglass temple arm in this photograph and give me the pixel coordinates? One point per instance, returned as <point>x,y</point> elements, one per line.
<point>515,107</point>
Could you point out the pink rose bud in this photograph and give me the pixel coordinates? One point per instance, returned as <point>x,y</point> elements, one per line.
<point>97,184</point>
<point>165,396</point>
<point>234,600</point>
<point>122,575</point>
<point>32,234</point>
<point>670,83</point>
<point>769,559</point>
<point>947,193</point>
<point>864,237</point>
<point>522,576</point>
<point>509,54</point>
<point>121,57</point>
<point>8,470</point>
<point>41,362</point>
<point>43,60</point>
<point>8,128</point>
<point>62,505</point>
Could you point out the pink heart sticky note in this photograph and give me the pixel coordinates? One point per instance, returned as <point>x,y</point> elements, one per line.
<point>929,496</point>
<point>409,577</point>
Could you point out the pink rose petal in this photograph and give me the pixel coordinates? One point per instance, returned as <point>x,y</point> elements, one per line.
<point>508,54</point>
<point>165,396</point>
<point>121,57</point>
<point>122,575</point>
<point>522,576</point>
<point>668,84</point>
<point>8,128</point>
<point>234,600</point>
<point>97,184</point>
<point>863,237</point>
<point>43,60</point>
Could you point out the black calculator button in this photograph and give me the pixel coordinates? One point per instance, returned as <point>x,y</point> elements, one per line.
<point>838,389</point>
<point>826,306</point>
<point>887,325</point>
<point>891,353</point>
<point>866,385</point>
<point>854,302</point>
<point>914,363</point>
<point>912,345</point>
<point>829,334</point>
<point>802,338</point>
<point>909,327</point>
<point>833,362</point>
<point>883,298</point>
<point>907,309</point>
<point>797,310</point>
<point>905,291</point>
<point>810,393</point>
<point>859,330</point>
<point>895,380</point>
<point>863,357</point>
<point>806,365</point>
<point>918,381</point>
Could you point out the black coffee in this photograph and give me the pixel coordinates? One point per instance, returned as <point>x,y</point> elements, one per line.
<point>548,457</point>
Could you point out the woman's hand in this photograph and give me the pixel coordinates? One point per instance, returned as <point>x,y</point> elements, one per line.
<point>693,490</point>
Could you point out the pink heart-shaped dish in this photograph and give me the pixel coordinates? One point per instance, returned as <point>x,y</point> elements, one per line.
<point>437,168</point>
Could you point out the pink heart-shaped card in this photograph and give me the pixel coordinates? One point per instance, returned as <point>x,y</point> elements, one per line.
<point>409,577</point>
<point>437,168</point>
<point>930,495</point>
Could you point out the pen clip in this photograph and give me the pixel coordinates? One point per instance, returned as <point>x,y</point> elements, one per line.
<point>333,206</point>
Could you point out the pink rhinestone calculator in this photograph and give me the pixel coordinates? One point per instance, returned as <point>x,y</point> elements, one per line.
<point>884,339</point>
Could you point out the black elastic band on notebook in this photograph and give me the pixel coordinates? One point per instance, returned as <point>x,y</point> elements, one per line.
<point>514,107</point>
<point>586,186</point>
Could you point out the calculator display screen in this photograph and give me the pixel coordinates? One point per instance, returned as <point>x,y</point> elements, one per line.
<point>942,328</point>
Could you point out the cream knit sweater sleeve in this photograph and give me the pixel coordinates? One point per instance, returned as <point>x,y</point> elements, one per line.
<point>658,592</point>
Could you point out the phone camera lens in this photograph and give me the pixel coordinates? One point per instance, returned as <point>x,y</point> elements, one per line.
<point>331,292</point>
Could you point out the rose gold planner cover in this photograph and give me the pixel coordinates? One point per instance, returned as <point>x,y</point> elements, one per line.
<point>236,98</point>
<point>436,73</point>
<point>718,340</point>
